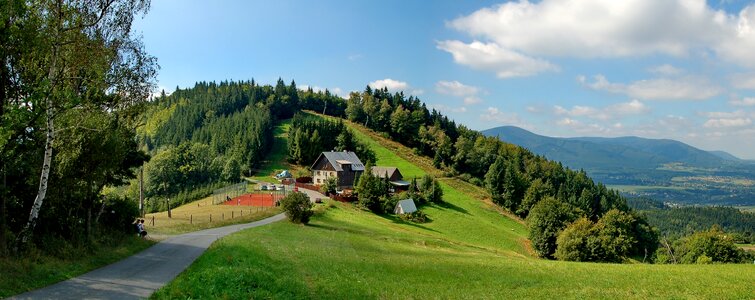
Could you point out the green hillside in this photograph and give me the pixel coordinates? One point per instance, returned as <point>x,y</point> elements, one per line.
<point>468,250</point>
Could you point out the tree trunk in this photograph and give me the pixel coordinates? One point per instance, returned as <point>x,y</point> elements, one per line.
<point>3,237</point>
<point>42,191</point>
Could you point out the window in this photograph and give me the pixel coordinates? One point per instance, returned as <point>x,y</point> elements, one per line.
<point>333,174</point>
<point>318,180</point>
<point>318,173</point>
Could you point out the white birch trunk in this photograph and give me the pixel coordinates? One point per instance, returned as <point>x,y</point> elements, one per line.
<point>42,191</point>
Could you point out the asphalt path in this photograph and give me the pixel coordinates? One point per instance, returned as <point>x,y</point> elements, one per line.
<point>138,276</point>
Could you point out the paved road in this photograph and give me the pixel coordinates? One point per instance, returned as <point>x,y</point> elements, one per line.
<point>140,275</point>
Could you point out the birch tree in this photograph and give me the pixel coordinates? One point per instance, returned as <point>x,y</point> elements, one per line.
<point>79,53</point>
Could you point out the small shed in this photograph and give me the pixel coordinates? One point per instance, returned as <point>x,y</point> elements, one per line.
<point>405,206</point>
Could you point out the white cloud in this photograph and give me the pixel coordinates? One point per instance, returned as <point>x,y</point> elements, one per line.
<point>629,108</point>
<point>354,57</point>
<point>685,88</point>
<point>516,38</point>
<point>744,81</point>
<point>455,88</point>
<point>665,70</point>
<point>750,101</point>
<point>493,114</point>
<point>472,100</point>
<point>392,85</point>
<point>504,62</point>
<point>610,112</point>
<point>724,114</point>
<point>442,107</point>
<point>395,86</point>
<point>722,122</point>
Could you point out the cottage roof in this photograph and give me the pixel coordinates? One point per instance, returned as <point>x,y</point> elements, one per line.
<point>382,171</point>
<point>407,205</point>
<point>338,158</point>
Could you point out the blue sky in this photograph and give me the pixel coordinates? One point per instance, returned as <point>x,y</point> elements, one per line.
<point>682,70</point>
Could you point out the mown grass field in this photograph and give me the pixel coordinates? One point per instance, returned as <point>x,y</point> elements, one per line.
<point>468,250</point>
<point>202,214</point>
<point>276,160</point>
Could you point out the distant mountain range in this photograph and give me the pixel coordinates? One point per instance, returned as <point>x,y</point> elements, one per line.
<point>612,153</point>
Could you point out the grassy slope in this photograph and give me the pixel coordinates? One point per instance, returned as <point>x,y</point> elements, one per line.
<point>468,251</point>
<point>276,159</point>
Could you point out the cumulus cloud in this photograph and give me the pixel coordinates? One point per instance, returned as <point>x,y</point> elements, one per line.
<point>493,114</point>
<point>506,63</point>
<point>744,81</point>
<point>665,70</point>
<point>517,38</point>
<point>446,108</point>
<point>395,86</point>
<point>685,88</point>
<point>743,102</point>
<point>606,113</point>
<point>723,122</point>
<point>454,88</point>
<point>392,85</point>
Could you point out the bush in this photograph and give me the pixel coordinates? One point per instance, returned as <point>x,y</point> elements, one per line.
<point>416,217</point>
<point>298,208</point>
<point>119,214</point>
<point>329,186</point>
<point>546,220</point>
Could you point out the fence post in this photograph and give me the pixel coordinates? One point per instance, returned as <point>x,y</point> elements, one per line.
<point>191,219</point>
<point>153,220</point>
<point>231,214</point>
<point>222,216</point>
<point>210,218</point>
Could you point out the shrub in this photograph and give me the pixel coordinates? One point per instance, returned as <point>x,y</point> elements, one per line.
<point>329,186</point>
<point>298,208</point>
<point>416,217</point>
<point>546,220</point>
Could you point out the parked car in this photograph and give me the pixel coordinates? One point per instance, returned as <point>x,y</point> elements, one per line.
<point>263,188</point>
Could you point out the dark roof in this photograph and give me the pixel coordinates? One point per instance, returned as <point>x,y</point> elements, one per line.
<point>337,158</point>
<point>382,171</point>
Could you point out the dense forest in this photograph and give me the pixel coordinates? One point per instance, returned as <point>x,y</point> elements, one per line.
<point>203,137</point>
<point>677,222</point>
<point>308,137</point>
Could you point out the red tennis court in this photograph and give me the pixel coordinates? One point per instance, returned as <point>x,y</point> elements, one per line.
<point>254,200</point>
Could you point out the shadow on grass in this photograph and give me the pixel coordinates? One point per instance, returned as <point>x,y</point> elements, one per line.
<point>397,220</point>
<point>451,206</point>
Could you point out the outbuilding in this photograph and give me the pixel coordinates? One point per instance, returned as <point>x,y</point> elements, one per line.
<point>405,206</point>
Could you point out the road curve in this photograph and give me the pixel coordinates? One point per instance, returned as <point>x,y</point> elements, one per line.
<point>139,275</point>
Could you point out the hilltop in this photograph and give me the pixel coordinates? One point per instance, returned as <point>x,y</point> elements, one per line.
<point>470,249</point>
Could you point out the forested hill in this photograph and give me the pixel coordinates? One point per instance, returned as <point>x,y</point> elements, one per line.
<point>231,122</point>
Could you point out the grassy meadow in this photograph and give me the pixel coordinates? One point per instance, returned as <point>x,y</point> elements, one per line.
<point>202,214</point>
<point>468,249</point>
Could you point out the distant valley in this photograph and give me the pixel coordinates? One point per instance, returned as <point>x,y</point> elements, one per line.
<point>666,170</point>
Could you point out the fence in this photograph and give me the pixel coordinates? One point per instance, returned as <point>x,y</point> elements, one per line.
<point>232,191</point>
<point>197,218</point>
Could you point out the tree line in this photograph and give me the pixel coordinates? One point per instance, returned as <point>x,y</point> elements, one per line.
<point>308,137</point>
<point>676,222</point>
<point>210,134</point>
<point>73,80</point>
